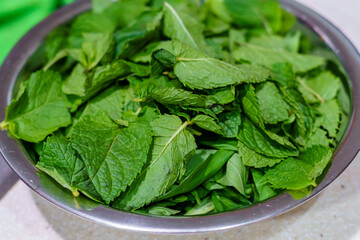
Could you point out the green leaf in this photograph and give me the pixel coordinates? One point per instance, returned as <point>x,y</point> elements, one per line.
<point>60,161</point>
<point>330,117</point>
<point>224,96</point>
<point>275,112</point>
<point>193,72</point>
<point>221,143</point>
<point>130,40</point>
<point>201,172</point>
<point>318,137</point>
<point>207,123</point>
<point>185,29</point>
<point>252,110</point>
<point>172,147</point>
<point>300,173</point>
<point>180,97</point>
<point>253,159</point>
<point>284,75</point>
<point>162,211</point>
<point>104,75</point>
<point>108,152</point>
<point>114,101</point>
<point>222,203</point>
<point>75,83</point>
<point>268,57</point>
<point>323,87</point>
<point>204,207</point>
<point>260,142</point>
<point>263,187</point>
<point>39,109</point>
<point>256,13</point>
<point>304,123</point>
<point>230,123</point>
<point>92,23</point>
<point>236,173</point>
<point>93,49</point>
<point>145,54</point>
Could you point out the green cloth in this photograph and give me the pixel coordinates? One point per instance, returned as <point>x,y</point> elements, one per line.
<point>18,16</point>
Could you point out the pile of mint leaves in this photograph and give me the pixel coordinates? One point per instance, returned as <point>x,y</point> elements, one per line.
<point>184,107</point>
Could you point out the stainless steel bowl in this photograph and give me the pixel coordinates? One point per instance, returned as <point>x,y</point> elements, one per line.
<point>15,154</point>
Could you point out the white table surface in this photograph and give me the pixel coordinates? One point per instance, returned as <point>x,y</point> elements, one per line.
<point>335,214</point>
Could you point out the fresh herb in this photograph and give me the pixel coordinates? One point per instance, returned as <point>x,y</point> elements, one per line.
<point>182,107</point>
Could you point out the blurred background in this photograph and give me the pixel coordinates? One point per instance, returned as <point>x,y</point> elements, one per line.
<point>19,16</point>
<point>334,214</point>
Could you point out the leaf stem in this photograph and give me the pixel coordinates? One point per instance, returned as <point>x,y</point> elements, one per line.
<point>3,125</point>
<point>139,100</point>
<point>311,91</point>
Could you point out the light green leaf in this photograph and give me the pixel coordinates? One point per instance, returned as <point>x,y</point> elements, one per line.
<point>39,109</point>
<point>263,187</point>
<point>162,211</point>
<point>60,161</point>
<point>268,57</point>
<point>256,13</point>
<point>185,29</point>
<point>300,173</point>
<point>114,101</point>
<point>330,116</point>
<point>207,123</point>
<point>204,207</point>
<point>322,88</point>
<point>275,112</point>
<point>75,83</point>
<point>108,152</point>
<point>172,147</point>
<point>236,173</point>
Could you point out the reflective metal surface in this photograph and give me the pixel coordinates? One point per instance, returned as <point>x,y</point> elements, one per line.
<point>14,153</point>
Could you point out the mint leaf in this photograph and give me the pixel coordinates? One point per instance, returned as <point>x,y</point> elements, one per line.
<point>236,174</point>
<point>268,57</point>
<point>180,97</point>
<point>206,160</point>
<point>322,88</point>
<point>330,117</point>
<point>172,147</point>
<point>263,187</point>
<point>256,13</point>
<point>278,111</point>
<point>253,159</point>
<point>300,173</point>
<point>131,39</point>
<point>260,142</point>
<point>230,123</point>
<point>207,123</point>
<point>185,29</point>
<point>60,161</point>
<point>39,109</point>
<point>194,71</point>
<point>108,152</point>
<point>75,83</point>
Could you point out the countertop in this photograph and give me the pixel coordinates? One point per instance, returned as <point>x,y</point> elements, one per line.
<point>334,214</point>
